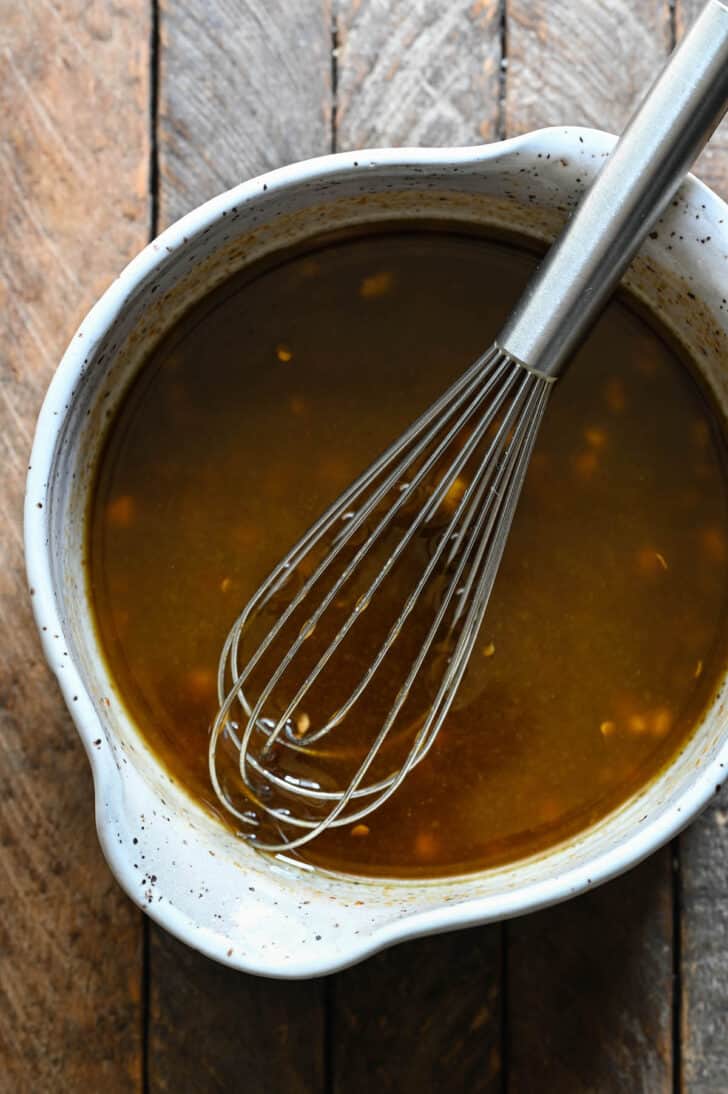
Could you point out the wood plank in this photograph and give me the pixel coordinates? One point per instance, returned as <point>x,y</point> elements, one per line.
<point>73,210</point>
<point>585,63</point>
<point>418,73</point>
<point>423,1016</point>
<point>590,993</point>
<point>704,847</point>
<point>426,1015</point>
<point>711,167</point>
<point>589,985</point>
<point>243,87</point>
<point>704,974</point>
<point>216,1030</point>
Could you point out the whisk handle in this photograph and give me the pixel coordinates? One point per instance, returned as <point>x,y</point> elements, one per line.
<point>656,151</point>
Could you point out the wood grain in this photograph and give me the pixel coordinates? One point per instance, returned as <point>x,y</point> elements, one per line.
<point>419,73</point>
<point>590,991</point>
<point>214,1031</point>
<point>704,891</point>
<point>73,209</point>
<point>422,1017</point>
<point>245,86</point>
<point>712,167</point>
<point>586,63</point>
<point>589,988</point>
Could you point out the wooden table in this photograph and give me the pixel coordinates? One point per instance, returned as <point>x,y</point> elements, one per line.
<point>118,116</point>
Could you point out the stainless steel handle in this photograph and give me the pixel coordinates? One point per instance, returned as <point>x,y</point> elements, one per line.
<point>661,142</point>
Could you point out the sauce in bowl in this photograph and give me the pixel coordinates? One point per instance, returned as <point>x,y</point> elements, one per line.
<point>605,635</point>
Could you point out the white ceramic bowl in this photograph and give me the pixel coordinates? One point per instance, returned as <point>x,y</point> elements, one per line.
<point>174,860</point>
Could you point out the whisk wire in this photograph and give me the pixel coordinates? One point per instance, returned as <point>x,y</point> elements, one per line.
<point>494,386</point>
<point>410,603</point>
<point>512,474</point>
<point>426,511</point>
<point>485,368</point>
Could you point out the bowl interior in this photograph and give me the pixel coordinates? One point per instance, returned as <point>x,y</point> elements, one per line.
<point>198,880</point>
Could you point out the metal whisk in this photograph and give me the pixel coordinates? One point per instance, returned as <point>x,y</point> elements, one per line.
<point>444,495</point>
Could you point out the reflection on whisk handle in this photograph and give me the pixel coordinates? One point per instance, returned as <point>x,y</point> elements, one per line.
<point>662,141</point>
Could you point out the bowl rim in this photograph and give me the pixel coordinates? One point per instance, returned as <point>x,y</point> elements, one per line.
<point>517,900</point>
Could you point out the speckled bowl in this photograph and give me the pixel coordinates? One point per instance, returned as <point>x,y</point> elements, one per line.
<point>174,860</point>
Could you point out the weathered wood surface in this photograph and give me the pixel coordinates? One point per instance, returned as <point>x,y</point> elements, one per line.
<point>590,990</point>
<point>73,209</point>
<point>244,86</point>
<point>712,167</point>
<point>585,63</point>
<point>425,1016</point>
<point>704,965</point>
<point>581,997</point>
<point>423,73</point>
<point>215,1031</point>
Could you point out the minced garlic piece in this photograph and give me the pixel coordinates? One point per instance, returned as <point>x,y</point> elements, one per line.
<point>303,724</point>
<point>376,285</point>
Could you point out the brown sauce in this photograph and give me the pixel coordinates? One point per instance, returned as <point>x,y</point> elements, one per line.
<point>605,635</point>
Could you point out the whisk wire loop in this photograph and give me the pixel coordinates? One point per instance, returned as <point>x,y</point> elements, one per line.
<point>495,402</point>
<point>427,509</point>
